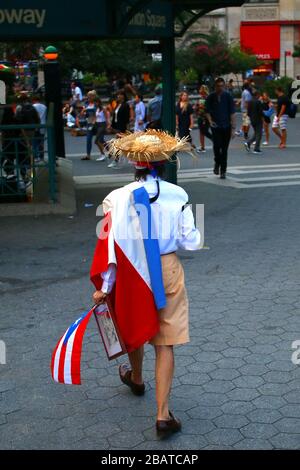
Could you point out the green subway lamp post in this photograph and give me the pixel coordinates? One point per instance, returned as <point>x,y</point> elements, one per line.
<point>53,95</point>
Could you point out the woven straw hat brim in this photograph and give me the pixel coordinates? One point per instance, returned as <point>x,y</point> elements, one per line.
<point>133,149</point>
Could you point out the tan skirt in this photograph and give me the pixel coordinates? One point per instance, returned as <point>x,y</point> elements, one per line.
<point>174,318</point>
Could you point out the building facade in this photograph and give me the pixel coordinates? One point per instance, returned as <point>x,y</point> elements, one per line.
<point>268,28</point>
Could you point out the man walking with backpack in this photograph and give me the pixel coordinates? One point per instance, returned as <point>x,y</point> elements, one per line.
<point>255,113</point>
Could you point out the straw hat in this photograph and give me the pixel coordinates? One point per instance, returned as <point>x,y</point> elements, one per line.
<point>148,146</point>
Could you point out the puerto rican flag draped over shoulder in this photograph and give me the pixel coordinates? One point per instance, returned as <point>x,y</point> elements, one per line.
<point>138,291</point>
<point>65,363</point>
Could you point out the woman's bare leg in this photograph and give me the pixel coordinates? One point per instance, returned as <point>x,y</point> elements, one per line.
<point>136,361</point>
<point>202,141</point>
<point>164,371</point>
<point>267,131</point>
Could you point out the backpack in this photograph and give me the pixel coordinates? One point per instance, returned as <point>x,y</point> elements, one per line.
<point>27,114</point>
<point>292,110</point>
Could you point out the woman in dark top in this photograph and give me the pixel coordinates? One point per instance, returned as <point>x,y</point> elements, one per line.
<point>121,114</point>
<point>120,120</point>
<point>184,116</point>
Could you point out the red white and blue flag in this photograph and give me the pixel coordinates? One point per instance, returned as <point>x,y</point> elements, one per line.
<point>65,363</point>
<point>138,291</point>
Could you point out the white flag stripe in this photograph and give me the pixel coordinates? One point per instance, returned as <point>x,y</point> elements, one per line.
<point>68,358</point>
<point>56,359</point>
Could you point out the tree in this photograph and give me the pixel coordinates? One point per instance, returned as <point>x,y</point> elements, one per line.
<point>296,51</point>
<point>211,55</point>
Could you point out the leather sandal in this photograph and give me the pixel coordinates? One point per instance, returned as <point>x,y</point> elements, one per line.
<point>165,428</point>
<point>125,376</point>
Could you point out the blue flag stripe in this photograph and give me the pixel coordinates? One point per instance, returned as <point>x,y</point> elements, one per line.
<point>73,327</point>
<point>151,248</point>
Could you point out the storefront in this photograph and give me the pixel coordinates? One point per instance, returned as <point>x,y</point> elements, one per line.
<point>263,40</point>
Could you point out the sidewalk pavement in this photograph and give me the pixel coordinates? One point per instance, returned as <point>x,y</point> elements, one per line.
<point>235,385</point>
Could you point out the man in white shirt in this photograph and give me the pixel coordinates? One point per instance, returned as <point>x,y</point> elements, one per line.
<point>76,92</point>
<point>39,140</point>
<point>245,100</point>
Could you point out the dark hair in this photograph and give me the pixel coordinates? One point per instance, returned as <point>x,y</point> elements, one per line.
<point>219,80</point>
<point>141,174</point>
<point>140,96</point>
<point>280,89</point>
<point>122,93</point>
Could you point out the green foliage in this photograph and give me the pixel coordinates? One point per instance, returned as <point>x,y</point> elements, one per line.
<point>270,85</point>
<point>111,56</point>
<point>187,76</point>
<point>211,55</point>
<point>296,51</point>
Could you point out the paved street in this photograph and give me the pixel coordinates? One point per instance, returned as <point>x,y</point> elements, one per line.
<point>235,385</point>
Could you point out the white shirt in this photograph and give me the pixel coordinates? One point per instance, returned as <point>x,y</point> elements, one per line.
<point>246,98</point>
<point>100,116</point>
<point>140,112</point>
<point>173,221</point>
<point>77,93</point>
<point>42,111</point>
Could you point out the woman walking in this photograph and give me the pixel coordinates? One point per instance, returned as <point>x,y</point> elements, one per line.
<point>139,269</point>
<point>90,113</point>
<point>101,125</point>
<point>203,123</point>
<point>184,116</point>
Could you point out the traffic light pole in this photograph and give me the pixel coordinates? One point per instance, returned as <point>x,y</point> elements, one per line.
<point>53,95</point>
<point>169,90</point>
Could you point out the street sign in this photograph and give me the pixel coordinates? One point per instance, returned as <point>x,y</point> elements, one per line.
<point>154,20</point>
<point>21,19</point>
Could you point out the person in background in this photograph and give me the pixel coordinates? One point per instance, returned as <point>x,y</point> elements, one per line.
<point>220,110</point>
<point>26,114</point>
<point>89,111</point>
<point>230,87</point>
<point>65,111</point>
<point>39,136</point>
<point>184,116</point>
<point>268,110</point>
<point>9,142</point>
<point>279,124</point>
<point>76,94</point>
<point>245,100</point>
<point>71,118</point>
<point>154,110</point>
<point>120,120</point>
<point>202,118</point>
<point>101,126</point>
<point>140,113</point>
<point>255,113</point>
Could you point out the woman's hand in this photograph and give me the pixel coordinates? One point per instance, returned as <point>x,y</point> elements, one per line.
<point>99,297</point>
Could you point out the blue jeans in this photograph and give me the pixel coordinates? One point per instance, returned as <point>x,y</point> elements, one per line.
<point>89,141</point>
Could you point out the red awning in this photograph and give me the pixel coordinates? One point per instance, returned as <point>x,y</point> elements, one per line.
<point>261,40</point>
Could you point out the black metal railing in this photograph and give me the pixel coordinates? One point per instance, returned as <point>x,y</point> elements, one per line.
<point>27,161</point>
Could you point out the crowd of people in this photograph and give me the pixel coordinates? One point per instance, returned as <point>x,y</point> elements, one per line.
<point>214,113</point>
<point>22,148</point>
<point>125,111</point>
